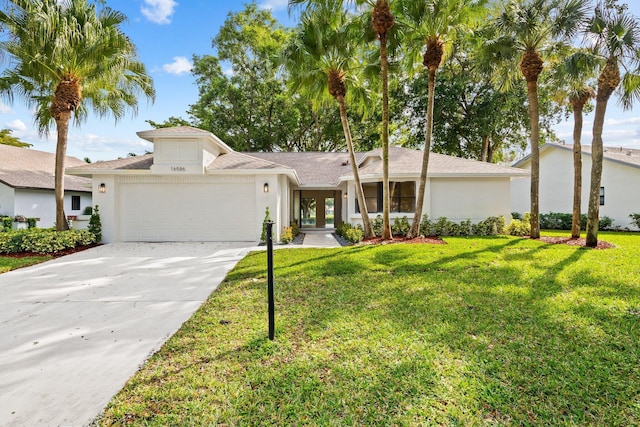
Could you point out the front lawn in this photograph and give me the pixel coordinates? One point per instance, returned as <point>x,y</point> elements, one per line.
<point>481,331</point>
<point>10,263</point>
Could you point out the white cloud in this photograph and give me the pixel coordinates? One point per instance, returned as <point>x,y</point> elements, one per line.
<point>4,109</point>
<point>159,11</point>
<point>274,4</point>
<point>17,124</point>
<point>180,65</point>
<point>622,122</point>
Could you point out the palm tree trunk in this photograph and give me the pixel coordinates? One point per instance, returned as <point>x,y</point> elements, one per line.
<point>577,170</point>
<point>62,125</point>
<point>484,155</point>
<point>366,222</point>
<point>386,219</point>
<point>593,215</point>
<point>534,118</point>
<point>417,216</point>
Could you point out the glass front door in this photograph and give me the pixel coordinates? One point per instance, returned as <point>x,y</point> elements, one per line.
<point>308,212</point>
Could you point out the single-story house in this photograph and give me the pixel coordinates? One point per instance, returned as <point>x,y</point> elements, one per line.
<point>620,183</point>
<point>196,188</point>
<point>27,185</point>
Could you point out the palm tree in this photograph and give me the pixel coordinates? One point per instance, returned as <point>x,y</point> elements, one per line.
<point>431,24</point>
<point>382,20</point>
<point>63,57</point>
<point>614,38</point>
<point>578,97</point>
<point>323,57</point>
<point>529,30</point>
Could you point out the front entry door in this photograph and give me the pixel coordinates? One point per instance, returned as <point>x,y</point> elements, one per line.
<point>318,209</point>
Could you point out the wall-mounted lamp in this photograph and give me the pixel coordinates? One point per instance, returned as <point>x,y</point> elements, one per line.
<point>345,196</point>
<point>102,188</point>
<point>266,187</point>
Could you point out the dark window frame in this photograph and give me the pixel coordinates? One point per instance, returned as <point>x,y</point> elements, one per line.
<point>398,199</point>
<point>75,203</point>
<point>601,196</point>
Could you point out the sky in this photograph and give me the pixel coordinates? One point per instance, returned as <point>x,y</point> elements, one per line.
<point>167,33</point>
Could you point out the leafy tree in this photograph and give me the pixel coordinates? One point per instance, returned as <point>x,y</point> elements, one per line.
<point>323,59</point>
<point>525,33</point>
<point>7,139</point>
<point>614,42</point>
<point>67,57</point>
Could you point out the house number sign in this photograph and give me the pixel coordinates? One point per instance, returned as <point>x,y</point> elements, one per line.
<point>178,169</point>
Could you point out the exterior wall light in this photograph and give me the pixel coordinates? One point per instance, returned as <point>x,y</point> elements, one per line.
<point>266,187</point>
<point>102,188</point>
<point>345,196</point>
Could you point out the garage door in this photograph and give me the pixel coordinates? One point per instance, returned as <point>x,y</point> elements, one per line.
<point>175,210</point>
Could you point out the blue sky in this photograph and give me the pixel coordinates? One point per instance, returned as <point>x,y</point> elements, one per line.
<point>167,34</point>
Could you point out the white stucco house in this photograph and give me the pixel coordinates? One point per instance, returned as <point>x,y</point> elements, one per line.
<point>196,188</point>
<point>620,184</point>
<point>27,186</point>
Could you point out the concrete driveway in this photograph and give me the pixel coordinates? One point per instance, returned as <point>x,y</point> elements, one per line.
<point>74,329</point>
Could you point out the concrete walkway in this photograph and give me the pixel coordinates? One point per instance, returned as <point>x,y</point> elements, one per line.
<point>74,329</point>
<point>320,239</point>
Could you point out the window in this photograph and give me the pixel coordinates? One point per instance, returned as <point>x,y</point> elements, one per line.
<point>75,203</point>
<point>601,196</point>
<point>403,196</point>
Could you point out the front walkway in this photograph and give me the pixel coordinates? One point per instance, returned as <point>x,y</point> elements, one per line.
<point>319,239</point>
<point>76,328</point>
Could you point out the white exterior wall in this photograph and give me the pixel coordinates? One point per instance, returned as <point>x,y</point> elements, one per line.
<point>621,187</point>
<point>475,199</point>
<point>7,196</point>
<point>42,204</point>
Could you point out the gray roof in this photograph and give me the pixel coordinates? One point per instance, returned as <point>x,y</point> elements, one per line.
<point>26,168</point>
<point>321,169</point>
<point>627,156</point>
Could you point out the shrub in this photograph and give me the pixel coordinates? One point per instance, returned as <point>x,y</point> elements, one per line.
<point>400,226</point>
<point>605,223</point>
<point>350,233</point>
<point>267,218</point>
<point>7,223</point>
<point>31,222</point>
<point>491,226</point>
<point>295,228</point>
<point>95,225</point>
<point>287,235</point>
<point>87,210</point>
<point>520,227</point>
<point>425,225</point>
<point>635,219</point>
<point>377,225</point>
<point>43,241</point>
<point>516,215</point>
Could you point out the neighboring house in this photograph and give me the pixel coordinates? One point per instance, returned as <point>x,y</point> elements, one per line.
<point>27,185</point>
<point>196,188</point>
<point>619,191</point>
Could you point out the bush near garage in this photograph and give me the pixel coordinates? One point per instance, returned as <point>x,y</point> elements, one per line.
<point>43,241</point>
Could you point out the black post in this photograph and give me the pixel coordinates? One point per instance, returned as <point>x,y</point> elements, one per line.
<point>272,309</point>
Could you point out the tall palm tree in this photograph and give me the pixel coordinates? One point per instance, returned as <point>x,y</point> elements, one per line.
<point>431,24</point>
<point>578,97</point>
<point>527,32</point>
<point>382,20</point>
<point>321,58</point>
<point>613,36</point>
<point>64,57</point>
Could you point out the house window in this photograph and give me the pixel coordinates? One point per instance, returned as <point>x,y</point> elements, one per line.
<point>601,196</point>
<point>75,203</point>
<point>403,196</point>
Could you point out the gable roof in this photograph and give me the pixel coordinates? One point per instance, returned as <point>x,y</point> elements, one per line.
<point>33,169</point>
<point>626,156</point>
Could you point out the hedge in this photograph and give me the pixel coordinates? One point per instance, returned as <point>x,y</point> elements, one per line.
<point>43,241</point>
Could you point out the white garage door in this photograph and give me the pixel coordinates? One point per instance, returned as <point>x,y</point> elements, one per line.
<point>188,211</point>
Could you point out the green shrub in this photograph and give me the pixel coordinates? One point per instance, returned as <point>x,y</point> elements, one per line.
<point>635,219</point>
<point>425,225</point>
<point>520,227</point>
<point>287,235</point>
<point>377,225</point>
<point>95,225</point>
<point>295,228</point>
<point>31,222</point>
<point>605,223</point>
<point>43,241</point>
<point>87,210</point>
<point>354,234</point>
<point>7,223</point>
<point>516,215</point>
<point>492,226</point>
<point>267,218</point>
<point>400,226</point>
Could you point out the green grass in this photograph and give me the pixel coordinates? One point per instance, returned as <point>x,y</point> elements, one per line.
<point>481,331</point>
<point>10,263</point>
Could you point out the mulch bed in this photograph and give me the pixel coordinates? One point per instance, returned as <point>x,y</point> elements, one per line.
<point>399,239</point>
<point>54,255</point>
<point>575,242</point>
